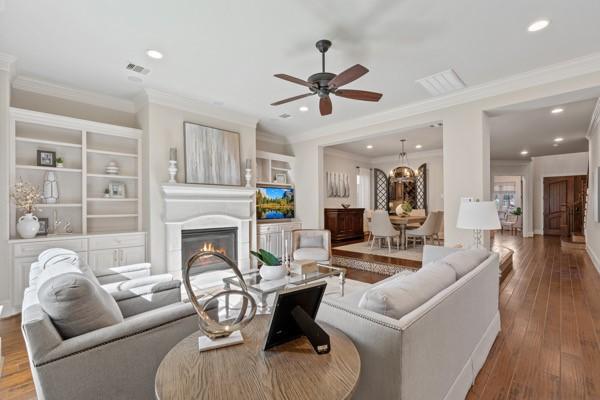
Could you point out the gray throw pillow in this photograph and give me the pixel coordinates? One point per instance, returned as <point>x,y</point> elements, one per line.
<point>310,240</point>
<point>56,255</point>
<point>465,261</point>
<point>77,305</point>
<point>398,297</point>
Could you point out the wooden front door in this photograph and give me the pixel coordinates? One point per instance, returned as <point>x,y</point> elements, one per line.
<point>561,200</point>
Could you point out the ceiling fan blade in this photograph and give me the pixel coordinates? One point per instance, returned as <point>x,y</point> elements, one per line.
<point>294,80</point>
<point>325,105</point>
<point>358,94</point>
<point>292,99</point>
<point>349,75</point>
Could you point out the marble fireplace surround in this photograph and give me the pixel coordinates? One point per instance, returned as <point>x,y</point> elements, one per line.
<point>204,207</point>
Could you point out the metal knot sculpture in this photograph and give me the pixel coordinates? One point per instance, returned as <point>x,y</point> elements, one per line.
<point>211,328</point>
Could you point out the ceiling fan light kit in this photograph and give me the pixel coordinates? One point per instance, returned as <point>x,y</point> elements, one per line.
<point>325,83</point>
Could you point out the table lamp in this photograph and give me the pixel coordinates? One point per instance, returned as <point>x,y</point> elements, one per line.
<point>479,216</point>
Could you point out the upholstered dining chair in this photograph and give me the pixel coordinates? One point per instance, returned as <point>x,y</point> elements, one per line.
<point>439,229</point>
<point>382,228</point>
<point>312,245</point>
<point>369,219</point>
<point>416,212</point>
<point>429,228</point>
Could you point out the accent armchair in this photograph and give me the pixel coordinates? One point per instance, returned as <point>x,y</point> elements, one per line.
<point>311,244</point>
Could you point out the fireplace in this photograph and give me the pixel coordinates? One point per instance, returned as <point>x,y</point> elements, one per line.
<point>220,240</point>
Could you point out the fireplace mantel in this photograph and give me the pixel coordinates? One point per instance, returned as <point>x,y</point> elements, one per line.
<point>206,206</point>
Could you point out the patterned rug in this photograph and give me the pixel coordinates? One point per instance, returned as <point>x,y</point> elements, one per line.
<point>412,253</point>
<point>370,266</point>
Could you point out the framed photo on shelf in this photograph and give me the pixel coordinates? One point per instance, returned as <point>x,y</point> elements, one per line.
<point>43,227</point>
<point>281,178</point>
<point>46,158</point>
<point>116,190</point>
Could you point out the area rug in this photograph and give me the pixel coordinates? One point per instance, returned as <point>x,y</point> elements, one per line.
<point>370,266</point>
<point>415,254</point>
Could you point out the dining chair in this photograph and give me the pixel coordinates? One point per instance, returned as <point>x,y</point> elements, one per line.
<point>369,219</point>
<point>439,229</point>
<point>427,230</point>
<point>382,228</point>
<point>416,212</point>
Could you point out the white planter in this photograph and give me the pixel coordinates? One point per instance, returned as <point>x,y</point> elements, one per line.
<point>272,272</point>
<point>28,226</point>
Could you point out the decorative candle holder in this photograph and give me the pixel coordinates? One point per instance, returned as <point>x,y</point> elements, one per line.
<point>172,171</point>
<point>248,177</point>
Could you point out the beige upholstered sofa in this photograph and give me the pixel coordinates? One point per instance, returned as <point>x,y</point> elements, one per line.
<point>433,351</point>
<point>118,361</point>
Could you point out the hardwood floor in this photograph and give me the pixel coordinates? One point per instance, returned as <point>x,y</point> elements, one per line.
<point>549,347</point>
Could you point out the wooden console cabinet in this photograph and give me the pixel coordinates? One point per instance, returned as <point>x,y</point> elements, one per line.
<point>345,224</point>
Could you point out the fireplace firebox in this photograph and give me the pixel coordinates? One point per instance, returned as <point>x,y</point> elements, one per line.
<point>220,240</point>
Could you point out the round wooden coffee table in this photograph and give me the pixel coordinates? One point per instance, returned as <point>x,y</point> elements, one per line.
<point>290,371</point>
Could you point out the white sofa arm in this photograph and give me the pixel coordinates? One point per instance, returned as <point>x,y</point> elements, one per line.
<point>434,253</point>
<point>124,273</point>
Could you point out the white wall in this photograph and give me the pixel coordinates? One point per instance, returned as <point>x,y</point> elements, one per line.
<point>163,127</point>
<point>5,284</point>
<point>592,227</point>
<point>435,173</point>
<point>547,166</point>
<point>346,163</point>
<point>525,170</point>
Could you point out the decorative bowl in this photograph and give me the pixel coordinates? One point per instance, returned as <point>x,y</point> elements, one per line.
<point>272,272</point>
<point>345,205</point>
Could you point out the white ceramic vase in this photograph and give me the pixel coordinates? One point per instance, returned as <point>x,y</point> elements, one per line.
<point>272,272</point>
<point>28,226</point>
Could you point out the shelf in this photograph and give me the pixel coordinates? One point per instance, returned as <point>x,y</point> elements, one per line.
<point>113,216</point>
<point>58,205</point>
<point>35,167</point>
<point>273,184</point>
<point>112,153</point>
<point>281,169</point>
<point>49,142</point>
<point>112,176</point>
<point>110,199</point>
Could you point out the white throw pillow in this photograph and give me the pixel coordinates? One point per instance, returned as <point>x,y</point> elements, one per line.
<point>398,297</point>
<point>465,261</point>
<point>56,255</point>
<point>310,240</point>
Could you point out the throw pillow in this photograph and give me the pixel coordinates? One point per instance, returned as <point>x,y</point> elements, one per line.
<point>76,305</point>
<point>398,297</point>
<point>465,261</point>
<point>308,240</point>
<point>56,255</point>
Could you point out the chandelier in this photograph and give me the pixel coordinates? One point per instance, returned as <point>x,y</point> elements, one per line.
<point>403,173</point>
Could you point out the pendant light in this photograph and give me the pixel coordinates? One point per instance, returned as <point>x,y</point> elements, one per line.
<point>402,173</point>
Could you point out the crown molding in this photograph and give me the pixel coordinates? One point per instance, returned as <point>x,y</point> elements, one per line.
<point>46,88</point>
<point>559,155</point>
<point>595,121</point>
<point>271,138</point>
<point>196,106</point>
<point>346,155</point>
<point>548,74</point>
<point>7,62</point>
<point>509,163</point>
<point>411,156</point>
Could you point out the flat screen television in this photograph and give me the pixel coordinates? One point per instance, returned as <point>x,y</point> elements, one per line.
<point>274,202</point>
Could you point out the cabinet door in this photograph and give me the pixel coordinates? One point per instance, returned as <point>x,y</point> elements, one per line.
<point>21,267</point>
<point>103,258</point>
<point>132,255</point>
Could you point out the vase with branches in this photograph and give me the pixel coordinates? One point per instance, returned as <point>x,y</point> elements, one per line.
<point>26,196</point>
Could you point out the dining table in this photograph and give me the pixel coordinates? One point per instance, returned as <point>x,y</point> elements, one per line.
<point>401,221</point>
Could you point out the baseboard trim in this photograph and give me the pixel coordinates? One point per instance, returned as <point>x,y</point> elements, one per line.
<point>538,232</point>
<point>594,257</point>
<point>527,234</point>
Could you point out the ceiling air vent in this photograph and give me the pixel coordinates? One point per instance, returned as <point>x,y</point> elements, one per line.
<point>442,83</point>
<point>285,116</point>
<point>137,68</point>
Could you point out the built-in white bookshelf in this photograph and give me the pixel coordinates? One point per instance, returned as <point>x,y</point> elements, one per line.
<point>86,147</point>
<point>269,165</point>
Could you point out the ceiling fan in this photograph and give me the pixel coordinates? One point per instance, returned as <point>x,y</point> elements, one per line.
<point>325,83</point>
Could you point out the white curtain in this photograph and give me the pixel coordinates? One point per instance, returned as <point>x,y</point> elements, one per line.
<point>363,188</point>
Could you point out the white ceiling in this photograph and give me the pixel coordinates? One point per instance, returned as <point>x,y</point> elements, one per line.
<point>387,145</point>
<point>534,130</point>
<point>227,51</point>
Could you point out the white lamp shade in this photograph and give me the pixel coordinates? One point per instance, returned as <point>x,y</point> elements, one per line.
<point>478,215</point>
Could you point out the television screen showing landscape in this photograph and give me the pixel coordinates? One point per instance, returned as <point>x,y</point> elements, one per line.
<point>274,203</point>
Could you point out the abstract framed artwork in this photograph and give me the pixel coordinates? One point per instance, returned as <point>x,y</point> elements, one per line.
<point>212,156</point>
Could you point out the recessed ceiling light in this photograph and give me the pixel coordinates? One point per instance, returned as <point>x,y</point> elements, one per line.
<point>419,146</point>
<point>157,55</point>
<point>369,146</point>
<point>557,110</point>
<point>524,152</point>
<point>303,108</point>
<point>538,25</point>
<point>558,139</point>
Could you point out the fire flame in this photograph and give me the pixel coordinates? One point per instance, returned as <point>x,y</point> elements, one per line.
<point>211,247</point>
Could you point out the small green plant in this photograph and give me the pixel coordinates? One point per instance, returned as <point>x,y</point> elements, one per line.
<point>406,207</point>
<point>265,257</point>
<point>517,211</point>
<point>59,160</point>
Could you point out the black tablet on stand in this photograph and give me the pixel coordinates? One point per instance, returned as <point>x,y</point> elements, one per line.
<point>294,313</point>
